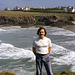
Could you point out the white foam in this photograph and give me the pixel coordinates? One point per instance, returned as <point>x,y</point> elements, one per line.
<point>66,57</point>
<point>73,68</point>
<point>8,51</point>
<point>72,42</point>
<point>11,29</point>
<point>60,31</point>
<point>56,49</point>
<point>2,30</point>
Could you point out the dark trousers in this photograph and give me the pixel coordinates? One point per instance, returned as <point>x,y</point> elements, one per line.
<point>39,61</point>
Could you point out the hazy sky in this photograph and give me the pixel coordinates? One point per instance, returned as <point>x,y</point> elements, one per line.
<point>35,3</point>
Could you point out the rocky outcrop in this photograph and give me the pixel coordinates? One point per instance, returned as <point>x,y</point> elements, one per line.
<point>65,73</point>
<point>7,73</point>
<point>62,73</point>
<point>36,20</point>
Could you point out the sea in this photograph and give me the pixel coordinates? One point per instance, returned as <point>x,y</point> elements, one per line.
<point>16,49</point>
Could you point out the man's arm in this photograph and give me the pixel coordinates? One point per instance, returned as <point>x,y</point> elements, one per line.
<point>49,49</point>
<point>34,51</point>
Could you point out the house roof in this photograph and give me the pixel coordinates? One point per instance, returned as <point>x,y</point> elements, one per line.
<point>27,7</point>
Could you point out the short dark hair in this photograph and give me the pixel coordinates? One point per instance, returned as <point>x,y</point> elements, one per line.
<point>40,29</point>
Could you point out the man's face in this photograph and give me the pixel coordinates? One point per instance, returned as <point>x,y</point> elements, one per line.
<point>42,33</point>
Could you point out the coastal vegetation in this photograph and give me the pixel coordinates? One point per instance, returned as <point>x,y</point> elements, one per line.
<point>62,73</point>
<point>36,18</point>
<point>7,73</point>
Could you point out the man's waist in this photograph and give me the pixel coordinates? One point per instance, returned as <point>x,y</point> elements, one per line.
<point>41,54</point>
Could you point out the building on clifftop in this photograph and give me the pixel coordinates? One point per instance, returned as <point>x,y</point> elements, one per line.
<point>7,9</point>
<point>26,8</point>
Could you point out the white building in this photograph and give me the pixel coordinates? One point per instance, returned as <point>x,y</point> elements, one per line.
<point>59,7</point>
<point>16,8</point>
<point>73,10</point>
<point>65,10</point>
<point>42,8</point>
<point>21,8</point>
<point>68,9</point>
<point>26,8</point>
<point>6,9</point>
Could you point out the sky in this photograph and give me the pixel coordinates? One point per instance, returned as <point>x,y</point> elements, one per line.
<point>35,3</point>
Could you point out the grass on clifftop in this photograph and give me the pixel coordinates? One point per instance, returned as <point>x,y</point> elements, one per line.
<point>21,14</point>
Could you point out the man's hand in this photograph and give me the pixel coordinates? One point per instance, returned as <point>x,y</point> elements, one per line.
<point>34,51</point>
<point>49,49</point>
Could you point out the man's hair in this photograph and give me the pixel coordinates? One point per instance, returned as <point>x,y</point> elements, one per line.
<point>40,29</point>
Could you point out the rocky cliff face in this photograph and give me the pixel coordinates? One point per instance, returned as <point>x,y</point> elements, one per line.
<point>36,20</point>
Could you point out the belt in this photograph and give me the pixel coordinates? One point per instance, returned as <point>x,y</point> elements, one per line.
<point>41,54</point>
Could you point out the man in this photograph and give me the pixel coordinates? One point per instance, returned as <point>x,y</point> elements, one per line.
<point>41,49</point>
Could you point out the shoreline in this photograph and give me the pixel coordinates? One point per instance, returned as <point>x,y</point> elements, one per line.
<point>68,27</point>
<point>71,28</point>
<point>62,73</point>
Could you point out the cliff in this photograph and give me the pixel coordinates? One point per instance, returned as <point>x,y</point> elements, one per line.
<point>35,19</point>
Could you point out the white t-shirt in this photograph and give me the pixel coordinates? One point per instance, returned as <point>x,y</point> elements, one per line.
<point>42,45</point>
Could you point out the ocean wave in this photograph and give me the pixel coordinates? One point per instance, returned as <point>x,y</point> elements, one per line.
<point>2,30</point>
<point>66,57</point>
<point>72,42</point>
<point>8,51</point>
<point>10,29</point>
<point>56,49</point>
<point>73,68</point>
<point>61,31</point>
